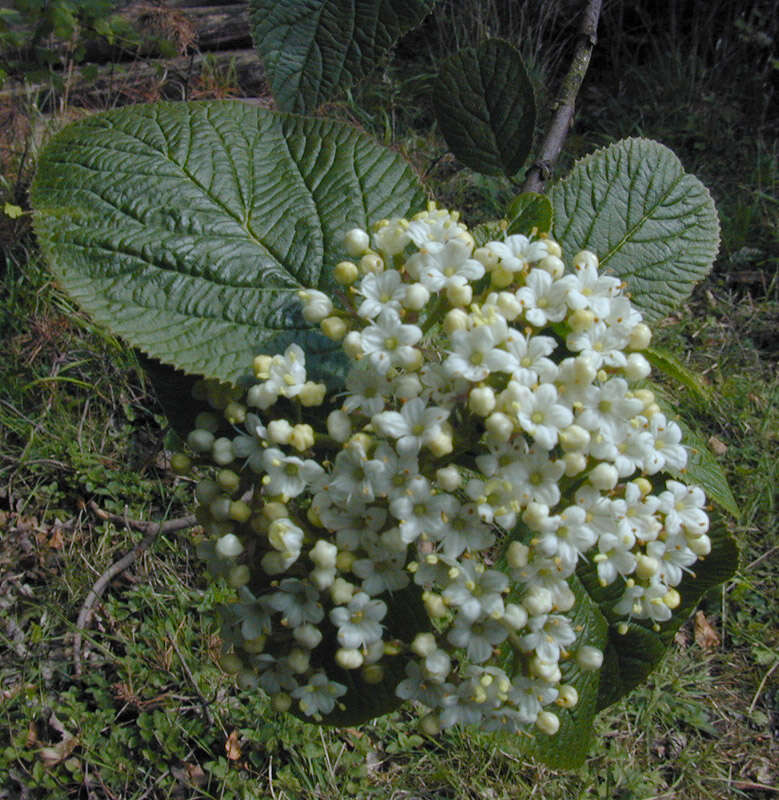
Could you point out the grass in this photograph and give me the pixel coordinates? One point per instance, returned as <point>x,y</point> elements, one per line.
<point>78,423</point>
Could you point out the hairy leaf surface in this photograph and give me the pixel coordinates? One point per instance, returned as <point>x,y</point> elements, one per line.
<point>311,49</point>
<point>188,229</point>
<point>648,221</point>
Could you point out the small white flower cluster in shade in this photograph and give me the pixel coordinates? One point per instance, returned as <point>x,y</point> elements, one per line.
<point>491,436</point>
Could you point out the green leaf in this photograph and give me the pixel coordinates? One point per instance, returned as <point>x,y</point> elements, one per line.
<point>311,49</point>
<point>486,108</point>
<point>672,367</point>
<point>527,211</point>
<point>188,229</point>
<point>648,221</point>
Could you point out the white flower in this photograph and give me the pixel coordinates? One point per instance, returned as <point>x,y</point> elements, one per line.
<point>288,475</point>
<point>298,603</point>
<point>367,389</point>
<point>415,425</point>
<point>388,342</point>
<point>476,592</point>
<point>476,637</point>
<point>549,634</point>
<point>475,353</point>
<point>441,266</point>
<point>668,437</point>
<point>539,413</point>
<point>384,290</point>
<point>683,508</point>
<point>420,511</point>
<point>359,623</point>
<point>542,298</point>
<point>318,696</point>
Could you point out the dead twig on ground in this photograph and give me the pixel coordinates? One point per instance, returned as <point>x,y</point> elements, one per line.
<point>152,530</point>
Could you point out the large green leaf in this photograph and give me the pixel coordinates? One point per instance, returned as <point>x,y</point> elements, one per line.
<point>187,229</point>
<point>649,222</point>
<point>486,107</point>
<point>311,49</point>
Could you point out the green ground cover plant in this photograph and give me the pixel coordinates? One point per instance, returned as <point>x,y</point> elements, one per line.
<point>80,424</point>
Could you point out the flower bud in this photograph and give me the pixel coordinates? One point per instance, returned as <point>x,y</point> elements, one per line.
<point>356,242</point>
<point>486,257</point>
<point>552,247</point>
<point>281,702</point>
<point>416,297</point>
<point>341,591</point>
<point>553,265</point>
<point>255,645</point>
<point>643,486</point>
<point>324,554</point>
<point>430,725</point>
<point>574,438</point>
<point>700,545</point>
<point>538,601</point>
<point>298,659</point>
<point>515,615</point>
<point>348,658</point>
<point>413,360</point>
<point>235,413</point>
<point>312,394</point>
<point>339,425</point>
<point>548,671</point>
<point>517,555</point>
<point>352,345</point>
<point>455,320</point>
<point>548,723</point>
<point>434,605</point>
<point>346,273</point>
<point>499,426</point>
<point>407,387</point>
<point>646,566</point>
<point>672,599</point>
<point>640,337</point>
<point>584,259</point>
<point>448,478</point>
<point>442,444</point>
<point>307,635</point>
<point>637,367</point>
<point>575,463</point>
<point>372,674</point>
<point>200,440</point>
<point>261,367</point>
<point>500,277</point>
<point>279,431</point>
<point>371,263</point>
<point>581,320</point>
<point>509,306</point>
<point>316,305</point>
<point>239,511</point>
<point>481,400</point>
<point>334,328</point>
<point>302,437</point>
<point>424,644</point>
<point>459,294</point>
<point>345,561</point>
<point>589,658</point>
<point>535,515</point>
<point>239,576</point>
<point>604,477</point>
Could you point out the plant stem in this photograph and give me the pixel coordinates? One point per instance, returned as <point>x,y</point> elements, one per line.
<point>562,120</point>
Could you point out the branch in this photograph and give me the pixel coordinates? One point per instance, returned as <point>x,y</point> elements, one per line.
<point>562,120</point>
<point>152,530</point>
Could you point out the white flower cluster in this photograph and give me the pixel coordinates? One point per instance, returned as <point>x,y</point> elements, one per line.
<point>491,436</point>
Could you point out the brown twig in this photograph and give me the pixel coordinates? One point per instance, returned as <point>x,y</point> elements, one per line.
<point>562,120</point>
<point>152,530</point>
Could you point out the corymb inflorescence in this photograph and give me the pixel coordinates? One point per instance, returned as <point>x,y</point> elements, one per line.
<point>493,434</point>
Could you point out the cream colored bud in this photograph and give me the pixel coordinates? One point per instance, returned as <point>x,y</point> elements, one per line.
<point>443,444</point>
<point>229,546</point>
<point>239,576</point>
<point>553,248</point>
<point>334,328</point>
<point>347,658</point>
<point>434,605</point>
<point>500,277</point>
<point>535,515</point>
<point>275,510</point>
<point>538,601</point>
<point>414,360</point>
<point>356,242</point>
<point>499,426</point>
<point>581,320</point>
<point>261,367</point>
<point>416,297</point>
<point>640,337</point>
<point>341,591</point>
<point>509,306</point>
<point>339,425</point>
<point>372,674</point>
<point>548,723</point>
<point>584,259</point>
<point>371,263</point>
<point>302,437</point>
<point>575,464</point>
<point>255,645</point>
<point>517,555</point>
<point>345,561</point>
<point>459,294</point>
<point>298,659</point>
<point>637,367</point>
<point>564,598</point>
<point>456,320</point>
<point>448,478</point>
<point>515,615</point>
<point>481,400</point>
<point>352,345</point>
<point>604,477</point>
<point>643,486</point>
<point>279,431</point>
<point>346,273</point>
<point>407,387</point>
<point>646,396</point>
<point>646,566</point>
<point>307,635</point>
<point>316,305</point>
<point>324,554</point>
<point>424,644</point>
<point>488,258</point>
<point>574,438</point>
<point>548,671</point>
<point>589,658</point>
<point>553,265</point>
<point>700,545</point>
<point>430,725</point>
<point>672,599</point>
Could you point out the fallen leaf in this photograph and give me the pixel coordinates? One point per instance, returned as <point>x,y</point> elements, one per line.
<point>232,748</point>
<point>54,754</point>
<point>705,636</point>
